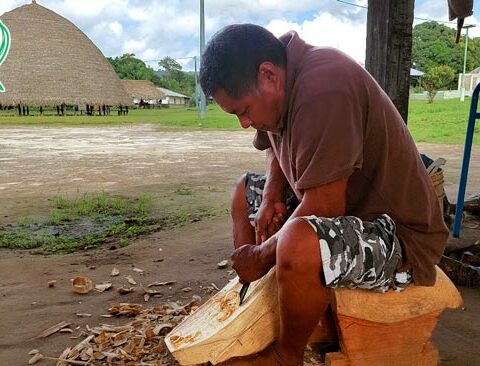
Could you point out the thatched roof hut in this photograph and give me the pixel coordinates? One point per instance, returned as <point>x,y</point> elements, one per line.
<point>52,62</point>
<point>142,89</point>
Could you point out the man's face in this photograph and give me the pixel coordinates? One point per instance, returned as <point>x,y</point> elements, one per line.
<point>261,108</point>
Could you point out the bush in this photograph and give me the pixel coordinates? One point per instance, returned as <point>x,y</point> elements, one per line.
<point>436,78</point>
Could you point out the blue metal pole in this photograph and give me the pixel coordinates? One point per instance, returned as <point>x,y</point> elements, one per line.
<point>474,115</point>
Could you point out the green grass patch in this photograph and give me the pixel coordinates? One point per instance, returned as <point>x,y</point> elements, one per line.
<point>91,220</point>
<point>182,118</point>
<point>441,122</point>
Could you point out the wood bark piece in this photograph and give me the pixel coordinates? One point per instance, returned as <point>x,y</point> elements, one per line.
<point>82,285</point>
<point>53,329</point>
<point>248,329</point>
<point>460,273</point>
<point>472,205</point>
<point>36,357</point>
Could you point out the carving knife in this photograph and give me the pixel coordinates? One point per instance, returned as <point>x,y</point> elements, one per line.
<point>243,291</point>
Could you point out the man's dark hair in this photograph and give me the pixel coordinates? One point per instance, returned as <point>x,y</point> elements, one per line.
<point>231,59</point>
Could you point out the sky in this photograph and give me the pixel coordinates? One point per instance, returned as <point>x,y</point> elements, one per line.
<point>154,29</point>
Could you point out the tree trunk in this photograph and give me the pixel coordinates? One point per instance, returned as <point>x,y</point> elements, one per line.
<point>389,48</point>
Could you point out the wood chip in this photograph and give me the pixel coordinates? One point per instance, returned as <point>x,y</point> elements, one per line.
<point>63,361</point>
<point>159,327</point>
<point>33,351</point>
<point>66,330</point>
<point>130,280</point>
<point>53,329</point>
<point>125,290</point>
<point>146,297</point>
<point>186,289</point>
<point>52,283</point>
<point>37,357</point>
<point>125,309</point>
<point>166,283</point>
<point>215,286</point>
<point>115,272</point>
<point>84,315</point>
<point>106,316</point>
<point>138,270</point>
<point>104,286</point>
<point>146,290</point>
<point>222,264</point>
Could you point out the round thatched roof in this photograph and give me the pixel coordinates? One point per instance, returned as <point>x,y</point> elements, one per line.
<point>52,62</point>
<point>142,89</point>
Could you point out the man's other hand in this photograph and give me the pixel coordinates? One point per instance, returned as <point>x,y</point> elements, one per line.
<point>247,262</point>
<point>270,218</point>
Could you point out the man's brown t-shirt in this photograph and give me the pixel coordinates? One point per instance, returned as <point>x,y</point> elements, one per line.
<point>339,123</point>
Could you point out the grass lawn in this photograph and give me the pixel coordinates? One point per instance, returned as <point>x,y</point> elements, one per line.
<point>442,122</point>
<point>168,117</point>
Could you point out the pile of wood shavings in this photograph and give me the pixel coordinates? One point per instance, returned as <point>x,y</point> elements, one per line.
<point>228,304</point>
<point>140,342</point>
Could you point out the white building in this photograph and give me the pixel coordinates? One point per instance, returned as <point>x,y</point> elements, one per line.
<point>174,99</point>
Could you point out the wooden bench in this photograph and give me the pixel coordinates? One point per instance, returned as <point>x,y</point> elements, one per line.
<point>374,329</point>
<point>391,329</point>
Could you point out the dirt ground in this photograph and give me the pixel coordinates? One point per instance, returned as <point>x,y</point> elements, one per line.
<point>38,163</point>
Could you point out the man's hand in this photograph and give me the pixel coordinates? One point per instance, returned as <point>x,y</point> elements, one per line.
<point>270,218</point>
<point>248,262</point>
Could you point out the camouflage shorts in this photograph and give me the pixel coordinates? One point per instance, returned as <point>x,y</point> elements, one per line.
<point>355,253</point>
<point>254,184</point>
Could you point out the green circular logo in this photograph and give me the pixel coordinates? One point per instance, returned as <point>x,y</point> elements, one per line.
<point>4,47</point>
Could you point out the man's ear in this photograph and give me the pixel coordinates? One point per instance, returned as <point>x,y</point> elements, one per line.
<point>269,75</point>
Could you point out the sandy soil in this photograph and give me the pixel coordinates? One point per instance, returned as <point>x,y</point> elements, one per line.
<point>38,163</point>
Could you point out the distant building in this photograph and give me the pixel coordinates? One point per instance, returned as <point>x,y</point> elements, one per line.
<point>143,93</point>
<point>469,81</point>
<point>415,77</point>
<point>174,99</point>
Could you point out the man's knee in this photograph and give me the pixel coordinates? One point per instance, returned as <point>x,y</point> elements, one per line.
<point>297,247</point>
<point>238,189</point>
<point>239,195</point>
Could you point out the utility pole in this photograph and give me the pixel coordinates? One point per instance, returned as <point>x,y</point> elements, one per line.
<point>196,84</point>
<point>202,47</point>
<point>462,92</point>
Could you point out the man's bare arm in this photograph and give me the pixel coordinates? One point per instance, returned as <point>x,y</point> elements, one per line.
<point>272,212</point>
<point>328,200</point>
<point>276,184</point>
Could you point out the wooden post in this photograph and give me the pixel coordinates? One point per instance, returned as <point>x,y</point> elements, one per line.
<point>389,48</point>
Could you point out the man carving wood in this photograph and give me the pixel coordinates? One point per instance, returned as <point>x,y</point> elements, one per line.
<point>345,201</point>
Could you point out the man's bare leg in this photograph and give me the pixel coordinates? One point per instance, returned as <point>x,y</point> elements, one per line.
<point>302,296</point>
<point>243,230</point>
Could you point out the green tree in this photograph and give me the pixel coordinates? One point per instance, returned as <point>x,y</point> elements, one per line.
<point>130,67</point>
<point>169,65</point>
<point>436,78</point>
<point>174,78</point>
<point>434,45</point>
